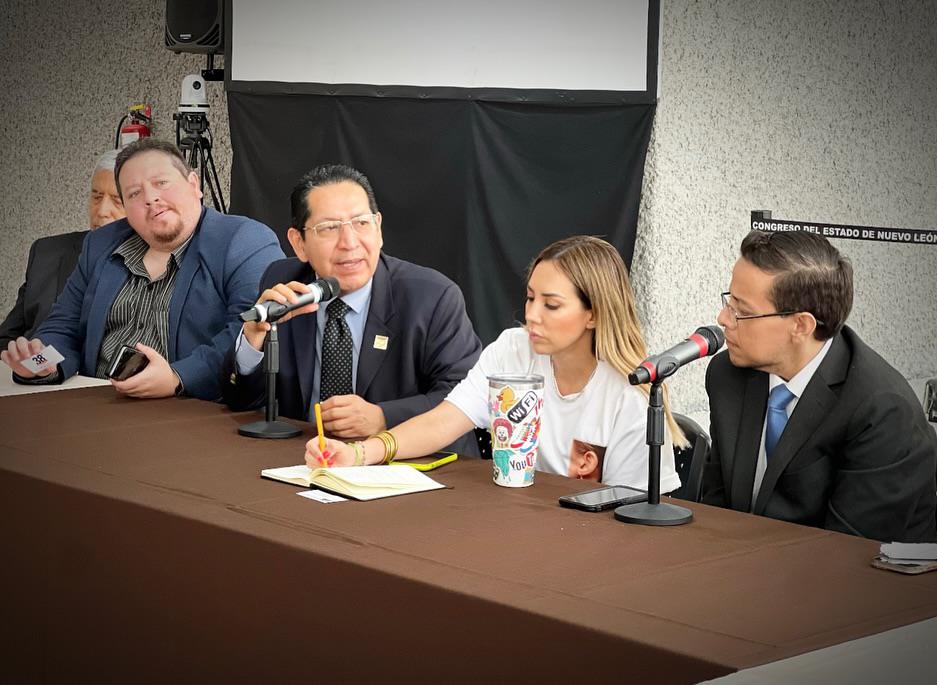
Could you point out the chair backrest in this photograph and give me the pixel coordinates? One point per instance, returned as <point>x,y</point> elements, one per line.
<point>690,460</point>
<point>930,400</point>
<point>483,438</point>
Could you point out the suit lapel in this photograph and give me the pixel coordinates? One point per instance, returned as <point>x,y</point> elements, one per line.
<point>112,279</point>
<point>302,332</point>
<point>380,313</point>
<point>191,263</point>
<point>67,262</point>
<point>811,410</point>
<point>751,420</point>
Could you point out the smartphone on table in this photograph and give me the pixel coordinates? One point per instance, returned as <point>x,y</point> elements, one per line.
<point>430,462</point>
<point>127,362</point>
<point>603,498</point>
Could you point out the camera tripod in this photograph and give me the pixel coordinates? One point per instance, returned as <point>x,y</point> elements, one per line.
<point>196,146</point>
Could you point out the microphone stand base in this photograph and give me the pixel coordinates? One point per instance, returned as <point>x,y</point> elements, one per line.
<point>272,430</point>
<point>661,514</point>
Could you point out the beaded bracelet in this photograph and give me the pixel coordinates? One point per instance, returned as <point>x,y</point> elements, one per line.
<point>359,453</point>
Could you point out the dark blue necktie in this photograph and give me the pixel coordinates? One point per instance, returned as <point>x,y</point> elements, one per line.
<point>778,400</point>
<point>335,378</point>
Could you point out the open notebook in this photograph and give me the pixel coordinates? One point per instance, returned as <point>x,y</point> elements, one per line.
<point>357,482</point>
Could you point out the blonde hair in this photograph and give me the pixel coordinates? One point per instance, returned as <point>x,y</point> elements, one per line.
<point>601,280</point>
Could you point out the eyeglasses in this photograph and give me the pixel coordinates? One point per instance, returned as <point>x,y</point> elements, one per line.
<point>330,230</point>
<point>727,304</point>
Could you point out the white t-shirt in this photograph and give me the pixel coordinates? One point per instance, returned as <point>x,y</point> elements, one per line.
<point>608,413</point>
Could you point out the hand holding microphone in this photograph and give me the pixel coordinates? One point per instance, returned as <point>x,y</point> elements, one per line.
<point>282,302</point>
<point>704,342</point>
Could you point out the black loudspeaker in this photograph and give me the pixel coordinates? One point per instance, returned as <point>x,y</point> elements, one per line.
<point>195,26</point>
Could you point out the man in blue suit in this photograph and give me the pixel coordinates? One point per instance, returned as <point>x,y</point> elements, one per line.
<point>170,279</point>
<point>392,345</point>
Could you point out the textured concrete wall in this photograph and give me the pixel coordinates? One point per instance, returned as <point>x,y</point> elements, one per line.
<point>819,110</point>
<point>68,72</point>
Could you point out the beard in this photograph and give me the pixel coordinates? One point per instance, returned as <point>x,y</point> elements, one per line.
<point>167,235</point>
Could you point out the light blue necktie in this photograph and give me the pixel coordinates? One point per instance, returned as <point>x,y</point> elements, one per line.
<point>778,400</point>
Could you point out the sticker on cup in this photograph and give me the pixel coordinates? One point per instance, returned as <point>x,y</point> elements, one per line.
<point>515,403</point>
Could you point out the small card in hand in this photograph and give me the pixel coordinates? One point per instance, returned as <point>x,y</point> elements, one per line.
<point>47,357</point>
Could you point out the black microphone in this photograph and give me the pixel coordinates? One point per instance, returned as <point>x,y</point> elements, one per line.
<point>319,291</point>
<point>705,341</point>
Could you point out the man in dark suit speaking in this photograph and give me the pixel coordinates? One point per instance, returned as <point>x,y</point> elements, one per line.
<point>53,258</point>
<point>809,424</point>
<point>391,346</point>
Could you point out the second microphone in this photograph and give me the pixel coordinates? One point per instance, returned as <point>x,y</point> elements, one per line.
<point>319,291</point>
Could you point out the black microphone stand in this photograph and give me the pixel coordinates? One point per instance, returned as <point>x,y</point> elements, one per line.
<point>270,428</point>
<point>654,512</point>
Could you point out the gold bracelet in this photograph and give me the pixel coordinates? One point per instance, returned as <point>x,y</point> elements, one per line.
<point>390,445</point>
<point>359,453</point>
<point>383,439</point>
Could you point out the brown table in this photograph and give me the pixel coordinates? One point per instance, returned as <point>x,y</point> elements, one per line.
<point>140,543</point>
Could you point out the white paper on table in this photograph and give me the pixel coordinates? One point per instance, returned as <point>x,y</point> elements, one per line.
<point>910,551</point>
<point>321,496</point>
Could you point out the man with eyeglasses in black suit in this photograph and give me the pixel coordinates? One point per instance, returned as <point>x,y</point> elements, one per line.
<point>809,424</point>
<point>393,343</point>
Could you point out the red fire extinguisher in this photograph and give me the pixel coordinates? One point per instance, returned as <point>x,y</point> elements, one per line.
<point>139,125</point>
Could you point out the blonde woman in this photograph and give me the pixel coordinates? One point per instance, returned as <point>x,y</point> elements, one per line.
<point>583,336</point>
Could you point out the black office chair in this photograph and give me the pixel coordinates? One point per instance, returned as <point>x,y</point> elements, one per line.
<point>690,460</point>
<point>483,438</point>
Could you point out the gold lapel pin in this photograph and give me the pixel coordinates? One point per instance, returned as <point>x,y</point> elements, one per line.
<point>380,342</point>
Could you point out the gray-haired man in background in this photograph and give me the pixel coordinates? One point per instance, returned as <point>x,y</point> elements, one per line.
<point>52,259</point>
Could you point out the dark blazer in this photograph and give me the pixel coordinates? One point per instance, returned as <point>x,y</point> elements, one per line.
<point>51,262</point>
<point>216,281</point>
<point>857,455</point>
<point>431,346</point>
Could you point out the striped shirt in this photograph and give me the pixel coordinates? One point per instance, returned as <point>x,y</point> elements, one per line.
<point>140,313</point>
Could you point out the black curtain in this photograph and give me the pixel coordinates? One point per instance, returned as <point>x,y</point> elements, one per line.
<point>474,189</point>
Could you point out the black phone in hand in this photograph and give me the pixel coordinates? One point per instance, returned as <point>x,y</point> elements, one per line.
<point>127,361</point>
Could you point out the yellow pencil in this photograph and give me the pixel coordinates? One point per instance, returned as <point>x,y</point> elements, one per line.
<point>318,411</point>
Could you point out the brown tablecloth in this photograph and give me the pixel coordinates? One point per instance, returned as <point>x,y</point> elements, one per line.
<point>140,542</point>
